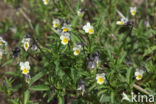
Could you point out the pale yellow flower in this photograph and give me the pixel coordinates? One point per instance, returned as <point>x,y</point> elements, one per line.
<point>66,28</point>
<point>77,50</point>
<point>26,43</point>
<point>25,67</point>
<point>46,2</point>
<point>65,37</point>
<point>133,11</point>
<point>122,21</point>
<point>2,41</point>
<point>56,23</point>
<point>139,74</point>
<point>100,78</point>
<point>88,28</point>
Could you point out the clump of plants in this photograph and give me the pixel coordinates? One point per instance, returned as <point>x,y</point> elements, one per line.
<point>78,52</point>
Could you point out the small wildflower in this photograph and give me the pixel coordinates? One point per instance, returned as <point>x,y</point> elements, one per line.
<point>25,67</point>
<point>46,2</point>
<point>80,13</point>
<point>91,65</point>
<point>34,47</point>
<point>81,87</point>
<point>65,37</point>
<point>77,49</point>
<point>133,11</point>
<point>88,28</point>
<point>139,74</point>
<point>1,53</point>
<point>16,52</point>
<point>2,42</point>
<point>56,23</point>
<point>100,78</point>
<point>27,78</point>
<point>122,21</point>
<point>26,43</point>
<point>66,27</point>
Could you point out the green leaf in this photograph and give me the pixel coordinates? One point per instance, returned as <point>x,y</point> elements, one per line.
<point>149,50</point>
<point>39,88</point>
<point>105,99</point>
<point>112,97</point>
<point>51,97</point>
<point>37,77</point>
<point>129,75</point>
<point>60,100</point>
<point>26,97</point>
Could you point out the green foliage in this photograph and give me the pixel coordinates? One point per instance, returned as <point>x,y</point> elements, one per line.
<point>55,72</point>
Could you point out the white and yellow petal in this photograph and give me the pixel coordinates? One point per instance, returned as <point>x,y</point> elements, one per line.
<point>88,28</point>
<point>76,52</point>
<point>56,23</point>
<point>139,77</point>
<point>25,71</point>
<point>26,46</point>
<point>46,2</point>
<point>64,41</point>
<point>1,54</point>
<point>139,74</point>
<point>119,23</point>
<point>25,67</point>
<point>66,28</point>
<point>100,78</point>
<point>133,11</point>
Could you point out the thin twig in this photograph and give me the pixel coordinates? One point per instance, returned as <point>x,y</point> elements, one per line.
<point>141,89</point>
<point>27,18</point>
<point>121,15</point>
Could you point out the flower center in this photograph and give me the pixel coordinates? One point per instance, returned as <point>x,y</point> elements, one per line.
<point>77,52</point>
<point>46,1</point>
<point>65,29</point>
<point>133,13</point>
<point>25,71</point>
<point>90,31</point>
<point>65,40</point>
<point>101,80</point>
<point>1,42</point>
<point>26,45</point>
<point>56,25</point>
<point>139,76</point>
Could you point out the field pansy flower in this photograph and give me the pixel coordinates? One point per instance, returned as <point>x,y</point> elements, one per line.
<point>2,41</point>
<point>27,78</point>
<point>139,74</point>
<point>81,87</point>
<point>46,2</point>
<point>56,23</point>
<point>80,13</point>
<point>100,78</point>
<point>133,11</point>
<point>65,37</point>
<point>66,27</point>
<point>122,21</point>
<point>26,43</point>
<point>25,67</point>
<point>77,49</point>
<point>1,53</point>
<point>88,28</point>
